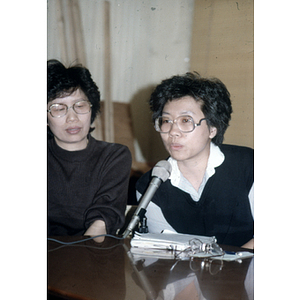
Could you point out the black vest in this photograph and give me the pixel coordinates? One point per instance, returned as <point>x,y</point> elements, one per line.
<point>223,210</point>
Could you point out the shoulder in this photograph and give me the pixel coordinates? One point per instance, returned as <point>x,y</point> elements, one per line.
<point>143,182</point>
<point>111,155</point>
<point>237,152</point>
<point>235,148</point>
<point>239,162</point>
<point>112,148</point>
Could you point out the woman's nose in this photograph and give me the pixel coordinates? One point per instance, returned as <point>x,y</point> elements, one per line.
<point>174,131</point>
<point>71,115</point>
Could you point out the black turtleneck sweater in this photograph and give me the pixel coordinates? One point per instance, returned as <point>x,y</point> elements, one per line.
<point>87,185</point>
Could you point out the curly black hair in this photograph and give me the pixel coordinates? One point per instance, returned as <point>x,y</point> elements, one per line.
<point>211,93</point>
<point>63,81</point>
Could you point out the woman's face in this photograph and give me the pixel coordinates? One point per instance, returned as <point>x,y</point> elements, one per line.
<point>190,146</point>
<point>70,131</point>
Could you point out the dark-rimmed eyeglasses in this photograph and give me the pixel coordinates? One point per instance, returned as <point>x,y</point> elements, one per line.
<point>185,124</point>
<point>58,110</point>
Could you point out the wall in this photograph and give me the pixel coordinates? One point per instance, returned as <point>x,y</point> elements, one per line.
<point>223,47</point>
<point>155,39</point>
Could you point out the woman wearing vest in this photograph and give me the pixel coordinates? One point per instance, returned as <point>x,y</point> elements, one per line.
<point>210,189</point>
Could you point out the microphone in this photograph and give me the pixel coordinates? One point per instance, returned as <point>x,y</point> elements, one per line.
<point>160,173</point>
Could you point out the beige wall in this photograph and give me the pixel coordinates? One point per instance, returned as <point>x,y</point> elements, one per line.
<point>223,47</point>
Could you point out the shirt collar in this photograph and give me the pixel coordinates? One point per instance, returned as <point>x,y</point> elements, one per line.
<point>72,156</point>
<point>216,158</point>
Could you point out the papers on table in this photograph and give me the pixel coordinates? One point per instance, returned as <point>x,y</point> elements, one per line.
<point>167,241</point>
<point>172,245</point>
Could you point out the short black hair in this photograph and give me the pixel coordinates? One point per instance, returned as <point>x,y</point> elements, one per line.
<point>211,93</point>
<point>64,81</point>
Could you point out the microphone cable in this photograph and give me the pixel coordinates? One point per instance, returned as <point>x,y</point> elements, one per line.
<point>84,240</point>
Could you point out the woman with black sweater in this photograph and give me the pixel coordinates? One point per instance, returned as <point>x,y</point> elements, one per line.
<point>87,179</point>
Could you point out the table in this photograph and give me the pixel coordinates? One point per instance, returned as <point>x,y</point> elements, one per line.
<point>108,270</point>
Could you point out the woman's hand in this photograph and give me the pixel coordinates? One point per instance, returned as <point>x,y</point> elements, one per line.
<point>249,245</point>
<point>97,228</point>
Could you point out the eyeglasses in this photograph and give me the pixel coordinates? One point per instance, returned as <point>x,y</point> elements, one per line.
<point>185,124</point>
<point>58,110</point>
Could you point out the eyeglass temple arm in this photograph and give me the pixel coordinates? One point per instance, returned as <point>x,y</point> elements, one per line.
<point>198,124</point>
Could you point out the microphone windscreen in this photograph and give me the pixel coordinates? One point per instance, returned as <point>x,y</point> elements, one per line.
<point>162,170</point>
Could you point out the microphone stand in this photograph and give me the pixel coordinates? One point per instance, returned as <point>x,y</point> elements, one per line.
<point>141,209</point>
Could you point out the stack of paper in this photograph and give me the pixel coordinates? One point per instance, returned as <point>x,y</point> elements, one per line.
<point>171,245</point>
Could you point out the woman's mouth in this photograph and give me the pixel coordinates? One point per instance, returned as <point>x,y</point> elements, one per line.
<point>176,146</point>
<point>73,130</point>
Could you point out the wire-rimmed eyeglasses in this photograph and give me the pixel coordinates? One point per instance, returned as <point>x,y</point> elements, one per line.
<point>58,110</point>
<point>185,124</point>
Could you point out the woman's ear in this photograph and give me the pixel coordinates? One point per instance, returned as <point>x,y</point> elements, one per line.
<point>212,132</point>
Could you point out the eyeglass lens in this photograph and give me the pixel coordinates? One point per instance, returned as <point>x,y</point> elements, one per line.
<point>59,110</point>
<point>184,123</point>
